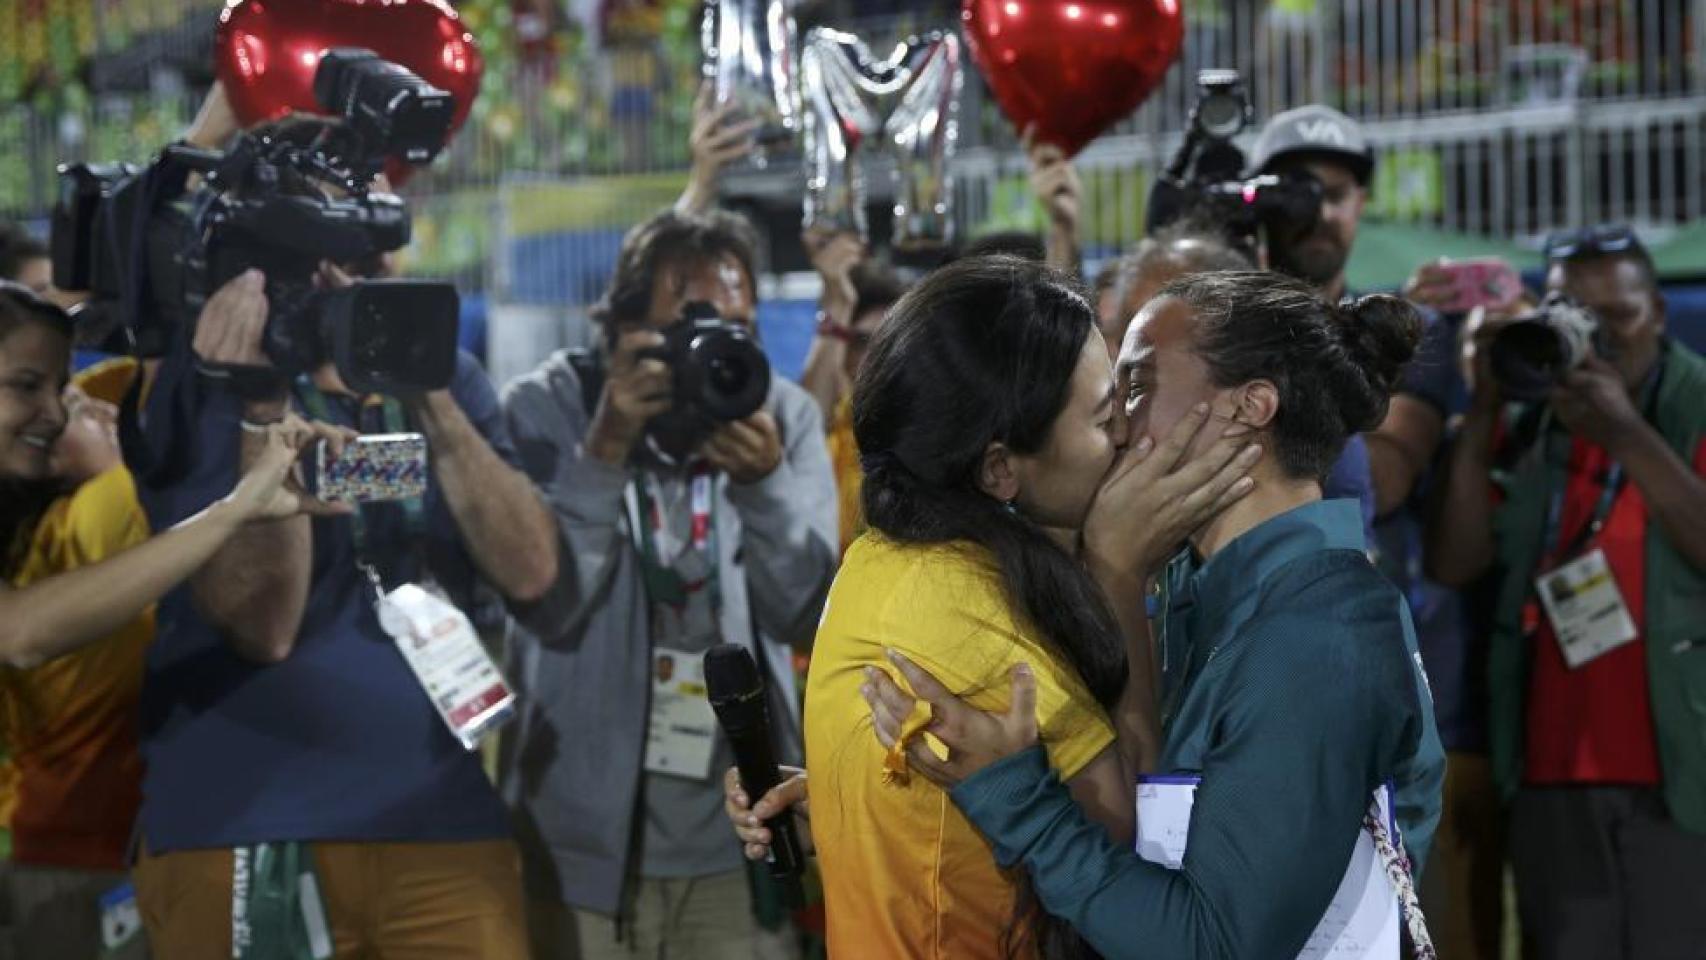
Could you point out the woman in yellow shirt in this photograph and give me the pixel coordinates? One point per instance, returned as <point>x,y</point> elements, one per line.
<point>48,613</point>
<point>986,420</point>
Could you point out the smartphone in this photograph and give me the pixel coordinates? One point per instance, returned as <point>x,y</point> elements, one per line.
<point>1486,282</point>
<point>375,468</point>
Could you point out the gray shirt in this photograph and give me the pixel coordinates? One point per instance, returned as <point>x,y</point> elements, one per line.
<point>572,765</point>
<point>684,832</point>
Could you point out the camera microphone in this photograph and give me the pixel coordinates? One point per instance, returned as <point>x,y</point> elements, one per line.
<point>736,693</point>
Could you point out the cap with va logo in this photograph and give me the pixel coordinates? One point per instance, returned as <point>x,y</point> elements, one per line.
<point>1314,130</point>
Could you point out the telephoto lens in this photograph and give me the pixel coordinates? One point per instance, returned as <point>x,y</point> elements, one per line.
<point>1531,355</point>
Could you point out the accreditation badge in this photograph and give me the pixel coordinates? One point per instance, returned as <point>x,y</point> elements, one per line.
<point>681,736</point>
<point>446,656</point>
<point>1585,608</point>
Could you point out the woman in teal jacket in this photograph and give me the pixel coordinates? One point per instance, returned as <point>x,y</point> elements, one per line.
<point>1290,681</point>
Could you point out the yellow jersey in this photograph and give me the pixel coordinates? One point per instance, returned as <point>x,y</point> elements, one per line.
<point>905,874</point>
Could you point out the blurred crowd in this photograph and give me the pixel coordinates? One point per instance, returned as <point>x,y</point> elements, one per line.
<point>210,746</point>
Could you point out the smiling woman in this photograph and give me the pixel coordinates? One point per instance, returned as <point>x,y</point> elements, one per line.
<point>48,609</point>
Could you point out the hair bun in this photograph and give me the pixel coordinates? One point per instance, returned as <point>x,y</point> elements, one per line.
<point>1380,334</point>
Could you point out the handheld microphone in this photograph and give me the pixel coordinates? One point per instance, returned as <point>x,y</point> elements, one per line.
<point>736,693</point>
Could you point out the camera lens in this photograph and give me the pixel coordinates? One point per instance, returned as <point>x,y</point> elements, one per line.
<point>727,375</point>
<point>731,374</point>
<point>1529,358</point>
<point>1221,115</point>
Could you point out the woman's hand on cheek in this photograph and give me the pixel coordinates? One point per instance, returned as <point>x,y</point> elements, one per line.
<point>1158,494</point>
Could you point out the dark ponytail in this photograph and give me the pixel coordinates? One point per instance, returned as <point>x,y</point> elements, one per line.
<point>1335,367</point>
<point>983,351</point>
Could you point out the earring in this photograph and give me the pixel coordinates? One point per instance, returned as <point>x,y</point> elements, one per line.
<point>1011,506</point>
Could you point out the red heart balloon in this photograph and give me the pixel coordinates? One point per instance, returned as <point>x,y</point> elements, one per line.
<point>266,52</point>
<point>1073,68</point>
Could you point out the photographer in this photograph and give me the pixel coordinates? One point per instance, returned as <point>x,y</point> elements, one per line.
<point>276,709</point>
<point>1591,496</point>
<point>1317,142</point>
<point>672,543</point>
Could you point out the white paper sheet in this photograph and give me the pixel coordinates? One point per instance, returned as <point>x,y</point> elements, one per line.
<point>1362,920</point>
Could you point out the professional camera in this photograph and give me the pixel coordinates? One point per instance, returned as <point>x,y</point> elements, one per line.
<point>1204,182</point>
<point>719,375</point>
<point>150,245</point>
<point>1531,355</point>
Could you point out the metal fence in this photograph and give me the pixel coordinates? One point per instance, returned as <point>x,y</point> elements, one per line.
<point>1495,117</point>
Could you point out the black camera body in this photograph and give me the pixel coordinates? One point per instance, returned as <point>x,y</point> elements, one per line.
<point>720,374</point>
<point>1205,182</point>
<point>1531,355</point>
<point>150,248</point>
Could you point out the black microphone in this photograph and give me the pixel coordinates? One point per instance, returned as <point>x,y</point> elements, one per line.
<point>737,695</point>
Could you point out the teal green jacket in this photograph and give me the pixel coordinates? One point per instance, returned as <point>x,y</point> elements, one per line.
<point>1292,687</point>
<point>1675,630</point>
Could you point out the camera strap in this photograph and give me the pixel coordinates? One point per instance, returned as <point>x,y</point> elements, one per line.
<point>674,572</point>
<point>1577,578</point>
<point>1552,552</point>
<point>414,509</point>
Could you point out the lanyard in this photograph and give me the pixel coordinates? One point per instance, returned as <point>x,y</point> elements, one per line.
<point>663,579</point>
<point>414,511</point>
<point>1615,477</point>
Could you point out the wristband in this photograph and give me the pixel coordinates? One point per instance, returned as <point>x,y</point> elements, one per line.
<point>250,426</point>
<point>827,327</point>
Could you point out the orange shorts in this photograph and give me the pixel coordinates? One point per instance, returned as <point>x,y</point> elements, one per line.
<point>382,900</point>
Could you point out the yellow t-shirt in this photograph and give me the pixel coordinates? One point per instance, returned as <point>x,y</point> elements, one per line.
<point>70,773</point>
<point>905,874</point>
<point>849,475</point>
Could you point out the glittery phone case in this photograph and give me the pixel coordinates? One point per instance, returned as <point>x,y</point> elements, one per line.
<point>375,468</point>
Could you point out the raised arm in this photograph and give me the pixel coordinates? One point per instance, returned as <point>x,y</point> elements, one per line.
<point>715,143</point>
<point>1152,500</point>
<point>255,590</point>
<point>1273,824</point>
<point>506,526</point>
<point>55,616</point>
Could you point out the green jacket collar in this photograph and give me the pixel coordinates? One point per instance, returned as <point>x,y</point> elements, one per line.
<point>1208,599</point>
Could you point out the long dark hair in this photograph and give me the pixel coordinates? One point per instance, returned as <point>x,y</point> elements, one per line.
<point>22,502</point>
<point>1335,367</point>
<point>983,351</point>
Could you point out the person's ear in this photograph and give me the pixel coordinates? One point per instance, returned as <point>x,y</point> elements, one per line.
<point>1256,404</point>
<point>997,475</point>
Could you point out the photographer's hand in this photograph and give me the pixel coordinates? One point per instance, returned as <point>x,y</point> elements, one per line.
<point>747,450</point>
<point>228,331</point>
<point>636,389</point>
<point>1594,403</point>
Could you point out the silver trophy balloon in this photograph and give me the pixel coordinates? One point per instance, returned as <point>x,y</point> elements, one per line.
<point>904,106</point>
<point>751,58</point>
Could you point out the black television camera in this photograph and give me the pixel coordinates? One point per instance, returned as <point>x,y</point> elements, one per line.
<point>1204,182</point>
<point>150,247</point>
<point>1531,355</point>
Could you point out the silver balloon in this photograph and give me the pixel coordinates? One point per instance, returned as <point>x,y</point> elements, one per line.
<point>751,58</point>
<point>905,107</point>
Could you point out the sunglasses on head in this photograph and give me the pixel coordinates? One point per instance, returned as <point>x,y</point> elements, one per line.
<point>1591,241</point>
